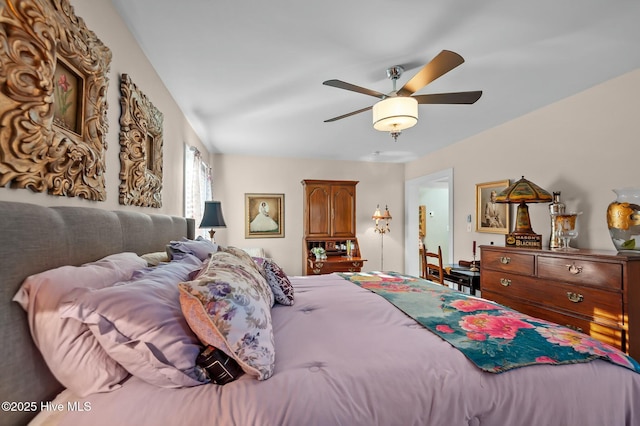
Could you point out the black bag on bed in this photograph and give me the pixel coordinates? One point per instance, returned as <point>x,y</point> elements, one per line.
<point>219,367</point>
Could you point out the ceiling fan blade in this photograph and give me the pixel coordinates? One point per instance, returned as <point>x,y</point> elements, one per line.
<point>449,98</point>
<point>444,62</point>
<point>340,117</point>
<point>348,86</point>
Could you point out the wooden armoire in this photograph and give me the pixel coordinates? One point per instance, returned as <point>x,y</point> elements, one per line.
<point>330,223</point>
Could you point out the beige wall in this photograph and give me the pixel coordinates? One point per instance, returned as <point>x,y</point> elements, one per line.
<point>378,184</point>
<point>101,17</point>
<point>583,146</point>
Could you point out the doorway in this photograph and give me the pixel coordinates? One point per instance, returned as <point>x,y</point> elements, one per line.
<point>435,192</point>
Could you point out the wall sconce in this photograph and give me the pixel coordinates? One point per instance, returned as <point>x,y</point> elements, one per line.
<point>212,217</point>
<point>522,192</point>
<point>378,216</point>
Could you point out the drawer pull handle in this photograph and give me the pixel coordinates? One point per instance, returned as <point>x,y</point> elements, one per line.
<point>574,327</point>
<point>505,260</point>
<point>575,297</point>
<point>505,282</point>
<point>573,269</point>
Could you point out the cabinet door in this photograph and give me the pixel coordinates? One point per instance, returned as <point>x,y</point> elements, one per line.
<point>318,210</point>
<point>344,210</point>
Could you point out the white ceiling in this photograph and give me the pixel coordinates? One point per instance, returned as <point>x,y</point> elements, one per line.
<point>248,74</point>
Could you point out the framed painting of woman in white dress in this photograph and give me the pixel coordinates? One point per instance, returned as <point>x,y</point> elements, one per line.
<point>491,217</point>
<point>264,215</point>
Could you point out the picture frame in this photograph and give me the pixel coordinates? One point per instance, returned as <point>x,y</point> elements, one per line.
<point>492,218</point>
<point>141,145</point>
<point>68,99</point>
<point>55,102</point>
<point>264,215</point>
<point>422,221</point>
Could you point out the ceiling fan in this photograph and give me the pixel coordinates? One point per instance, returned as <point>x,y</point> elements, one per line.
<point>398,110</point>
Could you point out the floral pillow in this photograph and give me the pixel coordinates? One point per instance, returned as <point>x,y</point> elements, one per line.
<point>247,260</point>
<point>244,256</point>
<point>226,308</point>
<point>277,280</point>
<point>259,261</point>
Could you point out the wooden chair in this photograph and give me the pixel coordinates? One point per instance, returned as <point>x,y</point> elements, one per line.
<point>430,267</point>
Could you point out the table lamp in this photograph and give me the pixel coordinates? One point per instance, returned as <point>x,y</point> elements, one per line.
<point>212,217</point>
<point>522,192</point>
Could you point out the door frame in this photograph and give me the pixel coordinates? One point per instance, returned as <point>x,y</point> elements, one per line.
<point>412,200</point>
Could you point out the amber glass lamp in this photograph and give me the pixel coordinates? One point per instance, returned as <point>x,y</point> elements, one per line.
<point>522,192</point>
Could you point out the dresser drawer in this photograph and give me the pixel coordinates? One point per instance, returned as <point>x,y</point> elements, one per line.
<point>519,263</point>
<point>319,267</point>
<point>581,271</point>
<point>590,302</point>
<point>597,291</point>
<point>611,335</point>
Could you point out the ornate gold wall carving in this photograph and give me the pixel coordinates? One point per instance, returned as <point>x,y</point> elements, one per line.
<point>140,148</point>
<point>39,39</point>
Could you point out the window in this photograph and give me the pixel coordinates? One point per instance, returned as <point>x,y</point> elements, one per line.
<point>198,186</point>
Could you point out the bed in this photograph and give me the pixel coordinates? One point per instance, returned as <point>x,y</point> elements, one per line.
<point>342,353</point>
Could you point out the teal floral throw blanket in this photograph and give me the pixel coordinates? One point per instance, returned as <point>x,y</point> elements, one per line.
<point>493,337</point>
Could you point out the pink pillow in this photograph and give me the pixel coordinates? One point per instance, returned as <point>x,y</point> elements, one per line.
<point>140,325</point>
<point>72,353</point>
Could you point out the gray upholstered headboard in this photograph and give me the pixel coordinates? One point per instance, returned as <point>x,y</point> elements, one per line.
<point>34,239</point>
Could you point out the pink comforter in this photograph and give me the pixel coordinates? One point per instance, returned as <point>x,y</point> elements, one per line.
<point>345,356</point>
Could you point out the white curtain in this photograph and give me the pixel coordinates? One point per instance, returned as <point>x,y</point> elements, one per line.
<point>198,186</point>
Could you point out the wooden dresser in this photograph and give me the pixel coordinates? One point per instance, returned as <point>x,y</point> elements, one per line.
<point>596,292</point>
<point>330,223</point>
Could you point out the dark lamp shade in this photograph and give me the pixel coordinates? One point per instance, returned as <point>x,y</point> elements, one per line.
<point>523,191</point>
<point>212,217</point>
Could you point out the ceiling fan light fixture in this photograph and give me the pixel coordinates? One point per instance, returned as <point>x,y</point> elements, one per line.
<point>395,114</point>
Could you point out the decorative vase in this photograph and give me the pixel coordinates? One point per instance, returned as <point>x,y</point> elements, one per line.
<point>623,219</point>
